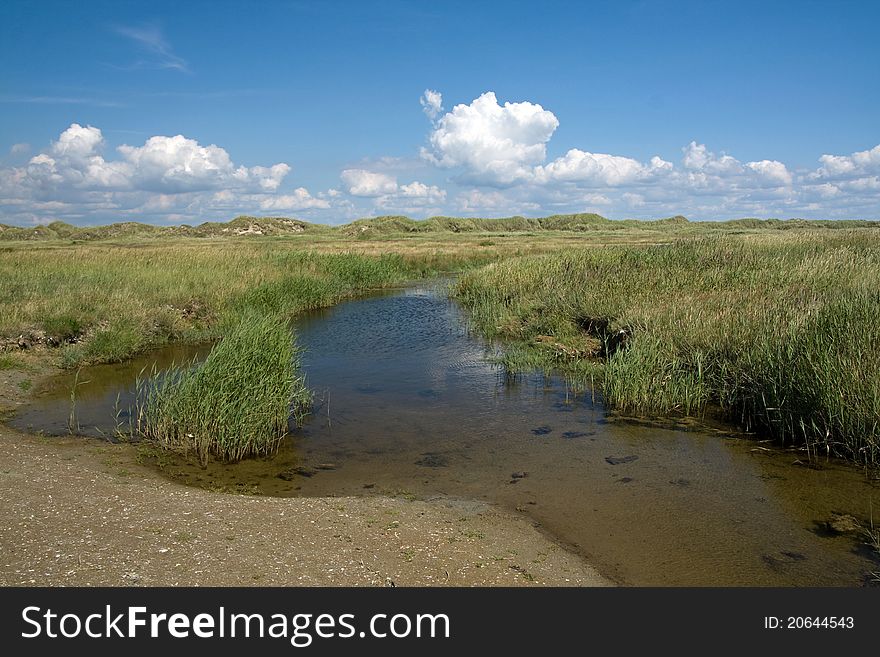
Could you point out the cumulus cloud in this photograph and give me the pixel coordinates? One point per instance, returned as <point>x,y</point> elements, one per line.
<point>300,199</point>
<point>771,171</point>
<point>387,194</point>
<point>698,158</point>
<point>494,202</point>
<point>503,148</point>
<point>432,103</point>
<point>181,164</point>
<point>360,182</point>
<point>856,165</point>
<point>708,170</point>
<point>417,190</point>
<point>598,169</point>
<point>74,160</point>
<point>494,144</point>
<point>78,142</point>
<point>162,164</point>
<point>174,175</point>
<point>494,155</point>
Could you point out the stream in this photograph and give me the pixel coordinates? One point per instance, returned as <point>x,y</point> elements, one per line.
<point>408,403</point>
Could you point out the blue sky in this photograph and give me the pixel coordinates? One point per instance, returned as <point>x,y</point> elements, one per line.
<point>188,112</point>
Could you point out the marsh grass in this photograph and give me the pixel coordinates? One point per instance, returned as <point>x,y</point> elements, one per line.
<point>774,322</point>
<point>114,301</point>
<point>781,332</point>
<point>235,404</point>
<point>108,300</point>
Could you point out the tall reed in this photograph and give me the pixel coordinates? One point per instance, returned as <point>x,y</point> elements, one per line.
<point>781,332</point>
<point>235,404</point>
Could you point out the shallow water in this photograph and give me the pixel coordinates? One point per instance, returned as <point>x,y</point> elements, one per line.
<point>406,403</point>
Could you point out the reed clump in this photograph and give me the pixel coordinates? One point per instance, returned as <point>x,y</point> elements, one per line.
<point>234,405</point>
<point>780,332</point>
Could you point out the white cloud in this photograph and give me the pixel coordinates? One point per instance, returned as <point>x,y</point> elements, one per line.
<point>494,155</point>
<point>771,171</point>
<point>504,147</point>
<point>855,165</point>
<point>387,195</point>
<point>300,199</point>
<point>158,51</point>
<point>20,149</point>
<point>432,103</point>
<point>493,202</point>
<point>360,182</point>
<point>494,144</point>
<point>598,169</point>
<point>417,190</point>
<point>163,177</point>
<point>74,160</point>
<point>181,164</point>
<point>711,170</point>
<point>825,190</point>
<point>698,158</point>
<point>869,183</point>
<point>78,142</point>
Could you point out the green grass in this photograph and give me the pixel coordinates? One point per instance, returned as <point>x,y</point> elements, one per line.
<point>235,404</point>
<point>115,301</point>
<point>111,297</point>
<point>772,321</point>
<point>10,362</point>
<point>780,331</point>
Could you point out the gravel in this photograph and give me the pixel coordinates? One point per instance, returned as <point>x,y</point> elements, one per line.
<point>79,512</point>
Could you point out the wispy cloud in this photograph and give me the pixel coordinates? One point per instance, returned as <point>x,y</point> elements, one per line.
<point>204,95</point>
<point>60,100</point>
<point>159,52</point>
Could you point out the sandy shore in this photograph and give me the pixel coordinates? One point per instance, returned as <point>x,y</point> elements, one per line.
<point>81,512</point>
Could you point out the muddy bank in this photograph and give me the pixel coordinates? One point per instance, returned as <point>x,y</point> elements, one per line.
<point>81,512</point>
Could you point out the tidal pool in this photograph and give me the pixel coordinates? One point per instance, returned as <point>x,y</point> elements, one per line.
<point>407,402</point>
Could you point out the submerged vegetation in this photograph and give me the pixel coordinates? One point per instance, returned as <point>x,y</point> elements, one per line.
<point>236,403</point>
<point>780,332</point>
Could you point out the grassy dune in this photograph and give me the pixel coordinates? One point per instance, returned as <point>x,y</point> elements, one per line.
<point>394,225</point>
<point>780,332</point>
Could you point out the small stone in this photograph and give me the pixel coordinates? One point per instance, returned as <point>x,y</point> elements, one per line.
<point>617,460</point>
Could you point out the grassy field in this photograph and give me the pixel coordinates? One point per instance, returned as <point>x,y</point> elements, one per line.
<point>780,331</point>
<point>773,322</point>
<point>99,301</point>
<point>104,300</point>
